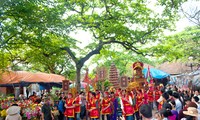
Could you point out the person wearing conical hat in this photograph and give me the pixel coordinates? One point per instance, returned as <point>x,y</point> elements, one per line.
<point>106,107</point>
<point>192,113</point>
<point>69,111</point>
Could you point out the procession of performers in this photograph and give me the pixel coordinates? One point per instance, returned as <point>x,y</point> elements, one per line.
<point>110,105</point>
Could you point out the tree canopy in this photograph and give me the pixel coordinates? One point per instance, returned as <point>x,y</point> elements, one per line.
<point>36,31</point>
<point>180,46</point>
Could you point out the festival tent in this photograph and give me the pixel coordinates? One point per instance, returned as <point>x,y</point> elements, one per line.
<point>24,78</point>
<point>155,73</point>
<point>184,79</point>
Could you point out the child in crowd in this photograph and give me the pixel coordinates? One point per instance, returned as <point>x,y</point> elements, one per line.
<point>55,112</point>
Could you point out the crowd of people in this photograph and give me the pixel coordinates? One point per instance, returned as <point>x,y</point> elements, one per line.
<point>153,103</point>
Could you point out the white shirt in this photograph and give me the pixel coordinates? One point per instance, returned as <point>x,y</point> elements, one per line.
<point>130,100</point>
<point>178,105</point>
<point>13,117</point>
<point>160,99</point>
<point>198,107</point>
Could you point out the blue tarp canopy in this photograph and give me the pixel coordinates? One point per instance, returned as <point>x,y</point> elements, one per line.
<point>155,73</point>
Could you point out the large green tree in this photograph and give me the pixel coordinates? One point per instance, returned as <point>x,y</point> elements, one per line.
<point>46,25</point>
<point>180,46</point>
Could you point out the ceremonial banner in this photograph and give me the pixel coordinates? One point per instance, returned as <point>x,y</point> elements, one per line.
<point>124,82</point>
<point>102,73</point>
<point>65,85</point>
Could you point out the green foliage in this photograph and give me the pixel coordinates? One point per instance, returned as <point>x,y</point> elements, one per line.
<point>180,46</point>
<point>37,32</point>
<point>107,84</point>
<point>31,37</point>
<point>121,58</point>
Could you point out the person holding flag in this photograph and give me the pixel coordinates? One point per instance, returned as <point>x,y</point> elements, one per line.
<point>150,91</point>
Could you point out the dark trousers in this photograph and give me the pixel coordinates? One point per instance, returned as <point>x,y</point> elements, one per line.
<point>61,116</point>
<point>107,116</point>
<point>70,118</point>
<point>137,115</point>
<point>157,104</point>
<point>134,116</point>
<point>151,105</point>
<point>83,112</point>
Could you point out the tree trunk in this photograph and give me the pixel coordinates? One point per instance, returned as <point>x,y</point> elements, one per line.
<point>78,78</point>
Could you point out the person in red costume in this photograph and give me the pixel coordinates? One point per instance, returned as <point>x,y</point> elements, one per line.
<point>126,105</point>
<point>150,98</point>
<point>145,96</point>
<point>77,103</point>
<point>157,96</point>
<point>94,110</point>
<point>106,110</point>
<point>69,111</point>
<point>98,95</point>
<point>139,103</point>
<point>88,94</point>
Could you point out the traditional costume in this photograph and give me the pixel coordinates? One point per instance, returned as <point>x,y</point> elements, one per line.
<point>98,95</point>
<point>69,111</point>
<point>157,96</point>
<point>139,102</point>
<point>150,96</point>
<point>93,111</point>
<point>77,103</point>
<point>126,105</point>
<point>106,110</point>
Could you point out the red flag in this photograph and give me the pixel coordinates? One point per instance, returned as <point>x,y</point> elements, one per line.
<point>86,78</point>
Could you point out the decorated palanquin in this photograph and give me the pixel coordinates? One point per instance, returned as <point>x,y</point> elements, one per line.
<point>138,77</point>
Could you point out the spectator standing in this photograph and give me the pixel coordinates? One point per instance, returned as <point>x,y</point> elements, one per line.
<point>13,113</point>
<point>190,104</point>
<point>83,105</point>
<point>61,108</point>
<point>165,97</point>
<point>146,112</point>
<point>46,111</point>
<point>169,113</point>
<point>192,114</point>
<point>177,101</point>
<point>195,99</point>
<point>173,110</point>
<point>196,93</point>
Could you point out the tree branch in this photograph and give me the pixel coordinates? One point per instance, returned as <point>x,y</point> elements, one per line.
<point>127,45</point>
<point>7,40</point>
<point>62,69</point>
<point>97,50</point>
<point>145,34</point>
<point>90,54</point>
<point>71,54</point>
<point>192,18</point>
